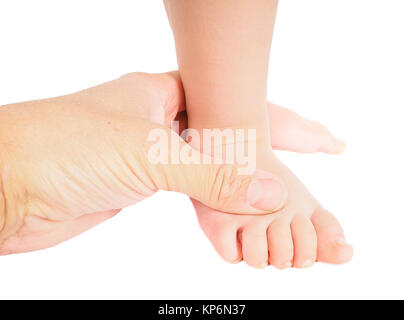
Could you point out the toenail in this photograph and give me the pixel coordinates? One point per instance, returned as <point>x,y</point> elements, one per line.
<point>341,242</point>
<point>286,265</point>
<point>236,261</point>
<point>341,146</point>
<point>307,263</point>
<point>263,265</point>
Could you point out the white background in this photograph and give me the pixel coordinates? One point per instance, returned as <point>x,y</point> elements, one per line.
<point>339,62</point>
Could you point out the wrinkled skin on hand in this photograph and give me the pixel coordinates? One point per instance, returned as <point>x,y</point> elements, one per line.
<point>68,163</point>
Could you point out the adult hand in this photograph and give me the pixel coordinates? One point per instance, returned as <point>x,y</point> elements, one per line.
<point>71,162</point>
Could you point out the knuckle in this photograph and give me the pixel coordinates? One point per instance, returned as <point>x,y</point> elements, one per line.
<point>226,185</point>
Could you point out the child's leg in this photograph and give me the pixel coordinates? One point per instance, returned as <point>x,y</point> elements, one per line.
<point>223,49</point>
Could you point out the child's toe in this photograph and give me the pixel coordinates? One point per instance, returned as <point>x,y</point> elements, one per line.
<point>280,245</point>
<point>224,240</point>
<point>222,232</point>
<point>255,247</point>
<point>305,242</point>
<point>332,247</point>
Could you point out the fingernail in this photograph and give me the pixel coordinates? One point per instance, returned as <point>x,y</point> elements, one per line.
<point>157,115</point>
<point>266,194</point>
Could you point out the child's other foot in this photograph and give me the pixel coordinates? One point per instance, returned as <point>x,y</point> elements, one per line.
<point>291,132</point>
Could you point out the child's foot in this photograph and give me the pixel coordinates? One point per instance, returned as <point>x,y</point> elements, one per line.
<point>302,233</point>
<point>298,235</point>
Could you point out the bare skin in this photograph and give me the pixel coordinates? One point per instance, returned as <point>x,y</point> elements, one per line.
<point>223,52</point>
<point>63,205</point>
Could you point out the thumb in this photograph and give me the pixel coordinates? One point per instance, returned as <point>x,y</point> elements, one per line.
<point>175,166</point>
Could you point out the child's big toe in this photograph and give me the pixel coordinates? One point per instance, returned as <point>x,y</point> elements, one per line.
<point>255,247</point>
<point>222,233</point>
<point>226,244</point>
